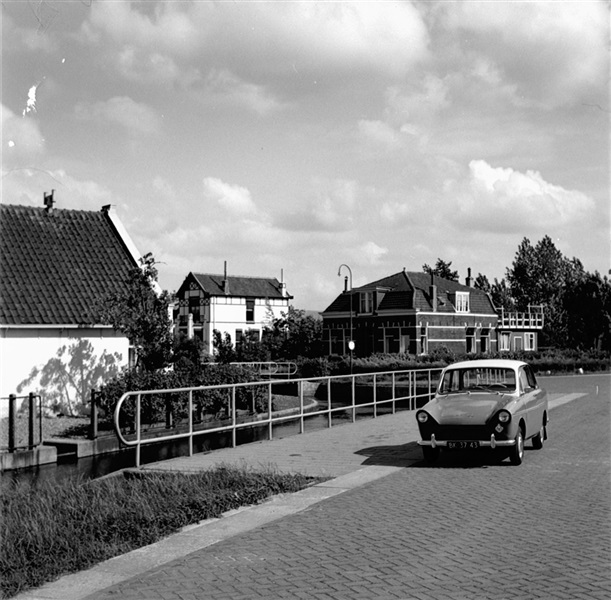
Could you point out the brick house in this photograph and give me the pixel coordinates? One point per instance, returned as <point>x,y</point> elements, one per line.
<point>230,304</point>
<point>55,264</point>
<point>415,313</point>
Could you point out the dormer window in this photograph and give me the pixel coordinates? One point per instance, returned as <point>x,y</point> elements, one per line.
<point>462,302</point>
<point>366,302</point>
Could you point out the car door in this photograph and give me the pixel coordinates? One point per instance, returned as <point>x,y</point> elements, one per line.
<point>530,397</point>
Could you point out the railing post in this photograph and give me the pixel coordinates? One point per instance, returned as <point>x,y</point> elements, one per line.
<point>12,400</point>
<point>31,420</point>
<point>353,398</point>
<point>375,396</point>
<point>301,419</point>
<point>233,419</point>
<point>137,430</point>
<point>270,427</point>
<point>190,422</point>
<point>169,420</point>
<point>394,394</point>
<point>330,416</point>
<point>93,416</point>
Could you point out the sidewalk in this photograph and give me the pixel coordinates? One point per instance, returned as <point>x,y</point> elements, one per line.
<point>351,454</point>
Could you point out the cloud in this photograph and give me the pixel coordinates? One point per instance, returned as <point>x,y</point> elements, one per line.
<point>133,116</point>
<point>554,52</point>
<point>503,200</point>
<point>144,66</point>
<point>266,38</point>
<point>22,141</point>
<point>379,134</point>
<point>330,206</point>
<point>371,253</point>
<point>234,199</point>
<point>230,89</point>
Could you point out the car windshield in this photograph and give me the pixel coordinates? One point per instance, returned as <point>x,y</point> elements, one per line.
<point>478,379</point>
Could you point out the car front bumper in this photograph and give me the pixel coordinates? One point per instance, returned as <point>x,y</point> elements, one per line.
<point>488,443</point>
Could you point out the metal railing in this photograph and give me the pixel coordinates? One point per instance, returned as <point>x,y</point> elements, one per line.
<point>16,426</point>
<point>270,368</point>
<point>521,320</point>
<point>360,394</point>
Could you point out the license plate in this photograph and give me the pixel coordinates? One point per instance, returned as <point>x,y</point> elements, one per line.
<point>462,445</point>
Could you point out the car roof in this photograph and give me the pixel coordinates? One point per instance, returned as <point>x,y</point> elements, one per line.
<point>490,363</point>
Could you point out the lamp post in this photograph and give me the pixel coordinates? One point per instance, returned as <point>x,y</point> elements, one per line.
<point>351,343</point>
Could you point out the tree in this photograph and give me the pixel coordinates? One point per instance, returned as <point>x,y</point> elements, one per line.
<point>442,269</point>
<point>294,334</point>
<point>223,347</point>
<point>540,275</point>
<point>587,313</point>
<point>142,314</point>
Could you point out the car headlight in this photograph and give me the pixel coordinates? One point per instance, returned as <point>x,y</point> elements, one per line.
<point>504,416</point>
<point>422,417</point>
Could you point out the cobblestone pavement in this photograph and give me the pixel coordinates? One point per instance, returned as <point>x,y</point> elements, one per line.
<point>467,528</point>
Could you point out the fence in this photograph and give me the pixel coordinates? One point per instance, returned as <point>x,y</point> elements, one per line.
<point>15,429</point>
<point>196,411</point>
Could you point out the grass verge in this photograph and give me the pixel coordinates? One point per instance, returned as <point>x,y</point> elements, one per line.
<point>48,531</point>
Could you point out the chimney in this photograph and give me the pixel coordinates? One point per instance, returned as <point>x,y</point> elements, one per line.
<point>225,284</point>
<point>345,284</point>
<point>282,284</point>
<point>48,201</point>
<point>469,280</point>
<point>433,293</point>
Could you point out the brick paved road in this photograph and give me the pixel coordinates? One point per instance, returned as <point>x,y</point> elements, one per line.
<point>465,528</point>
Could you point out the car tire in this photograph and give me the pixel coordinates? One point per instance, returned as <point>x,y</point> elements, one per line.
<point>430,454</point>
<point>517,451</point>
<point>540,438</point>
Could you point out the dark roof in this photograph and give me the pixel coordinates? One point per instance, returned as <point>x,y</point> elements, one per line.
<point>408,290</point>
<point>248,287</point>
<point>54,266</point>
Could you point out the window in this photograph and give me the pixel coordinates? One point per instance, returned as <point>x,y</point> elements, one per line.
<point>424,340</point>
<point>504,342</point>
<point>471,349</point>
<point>529,341</point>
<point>462,302</point>
<point>485,341</point>
<point>239,336</point>
<point>366,302</point>
<point>250,311</point>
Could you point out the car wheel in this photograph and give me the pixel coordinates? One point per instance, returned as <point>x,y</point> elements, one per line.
<point>430,454</point>
<point>517,452</point>
<point>540,438</point>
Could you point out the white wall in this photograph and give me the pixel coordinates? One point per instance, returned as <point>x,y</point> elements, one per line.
<point>102,352</point>
<point>229,314</point>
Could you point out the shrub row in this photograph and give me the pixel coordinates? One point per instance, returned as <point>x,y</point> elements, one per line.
<point>551,360</point>
<point>210,402</point>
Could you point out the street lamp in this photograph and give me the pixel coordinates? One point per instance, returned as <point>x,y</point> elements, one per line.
<point>351,343</point>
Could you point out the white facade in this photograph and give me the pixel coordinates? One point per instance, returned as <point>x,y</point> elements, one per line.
<point>88,357</point>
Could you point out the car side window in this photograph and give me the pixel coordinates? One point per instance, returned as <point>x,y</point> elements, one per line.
<point>524,385</point>
<point>532,381</point>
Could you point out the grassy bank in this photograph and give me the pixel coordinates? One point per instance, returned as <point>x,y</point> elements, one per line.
<point>48,531</point>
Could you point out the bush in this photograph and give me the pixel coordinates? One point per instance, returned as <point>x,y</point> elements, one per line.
<point>153,406</point>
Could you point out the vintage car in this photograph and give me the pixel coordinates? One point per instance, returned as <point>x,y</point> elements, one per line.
<point>485,404</point>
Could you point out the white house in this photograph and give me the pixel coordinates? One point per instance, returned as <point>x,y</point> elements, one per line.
<point>229,304</point>
<point>55,265</point>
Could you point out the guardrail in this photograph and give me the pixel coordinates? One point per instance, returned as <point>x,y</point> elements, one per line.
<point>15,433</point>
<point>359,394</point>
<point>270,368</point>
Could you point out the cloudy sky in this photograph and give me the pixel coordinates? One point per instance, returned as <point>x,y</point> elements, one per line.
<point>298,136</point>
